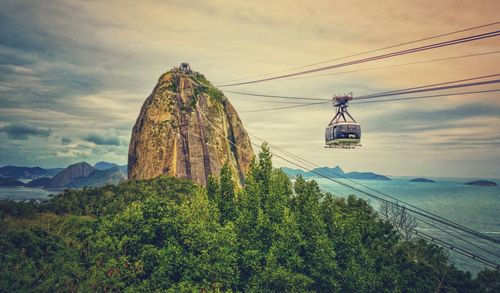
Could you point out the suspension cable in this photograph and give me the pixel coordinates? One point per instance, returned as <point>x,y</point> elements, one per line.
<point>371,51</point>
<point>392,66</point>
<point>375,58</point>
<point>386,94</point>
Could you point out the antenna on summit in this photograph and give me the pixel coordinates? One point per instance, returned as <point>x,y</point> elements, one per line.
<point>185,68</point>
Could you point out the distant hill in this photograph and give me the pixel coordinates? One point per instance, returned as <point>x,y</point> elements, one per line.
<point>82,174</point>
<point>9,182</point>
<point>335,171</point>
<point>104,165</point>
<point>40,182</point>
<point>367,176</point>
<point>16,172</point>
<point>99,178</point>
<point>481,183</point>
<point>66,176</point>
<point>294,172</point>
<point>323,170</point>
<point>422,180</point>
<point>74,176</point>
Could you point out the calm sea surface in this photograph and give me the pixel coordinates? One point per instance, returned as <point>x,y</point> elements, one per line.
<point>475,207</point>
<point>23,193</point>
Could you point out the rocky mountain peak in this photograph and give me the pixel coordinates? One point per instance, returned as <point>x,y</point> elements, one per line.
<point>184,129</point>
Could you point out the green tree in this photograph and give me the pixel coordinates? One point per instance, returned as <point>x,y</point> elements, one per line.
<point>34,260</point>
<point>159,244</point>
<point>280,192</point>
<point>212,188</point>
<point>319,253</point>
<point>365,247</point>
<point>265,168</point>
<point>252,224</point>
<point>284,265</point>
<point>225,198</point>
<point>488,281</point>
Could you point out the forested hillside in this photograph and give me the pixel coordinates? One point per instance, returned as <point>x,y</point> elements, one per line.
<point>169,234</point>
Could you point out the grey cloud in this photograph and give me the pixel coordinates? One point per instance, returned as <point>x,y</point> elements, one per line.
<point>456,144</point>
<point>84,146</point>
<point>426,120</point>
<point>23,131</point>
<point>66,140</point>
<point>102,139</point>
<point>460,112</point>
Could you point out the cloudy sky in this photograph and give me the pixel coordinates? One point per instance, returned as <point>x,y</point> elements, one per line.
<point>74,74</point>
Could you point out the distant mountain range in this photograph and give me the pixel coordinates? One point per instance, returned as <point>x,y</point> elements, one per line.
<point>9,182</point>
<point>77,175</point>
<point>24,173</point>
<point>104,165</point>
<point>335,171</point>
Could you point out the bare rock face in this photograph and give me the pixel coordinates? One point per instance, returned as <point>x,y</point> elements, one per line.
<point>183,130</point>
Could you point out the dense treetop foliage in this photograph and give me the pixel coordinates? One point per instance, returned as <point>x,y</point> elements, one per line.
<point>167,234</point>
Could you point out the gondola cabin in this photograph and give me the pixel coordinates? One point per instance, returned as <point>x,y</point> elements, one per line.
<point>342,131</point>
<point>343,134</point>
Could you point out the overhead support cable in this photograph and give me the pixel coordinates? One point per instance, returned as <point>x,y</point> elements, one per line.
<point>427,97</point>
<point>275,96</point>
<point>454,248</point>
<point>387,94</point>
<point>384,100</point>
<point>375,58</point>
<point>392,66</point>
<point>370,51</point>
<point>407,90</point>
<point>457,237</point>
<point>363,96</point>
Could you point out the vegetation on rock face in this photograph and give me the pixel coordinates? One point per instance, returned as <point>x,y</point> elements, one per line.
<point>169,234</point>
<point>213,92</point>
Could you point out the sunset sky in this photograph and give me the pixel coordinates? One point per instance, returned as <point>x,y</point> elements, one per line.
<point>74,74</point>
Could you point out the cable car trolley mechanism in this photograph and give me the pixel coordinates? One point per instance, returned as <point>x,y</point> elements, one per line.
<point>343,131</point>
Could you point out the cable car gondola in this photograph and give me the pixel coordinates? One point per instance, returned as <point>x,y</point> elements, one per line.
<point>342,132</point>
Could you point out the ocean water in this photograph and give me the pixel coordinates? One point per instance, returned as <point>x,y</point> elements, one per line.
<point>24,193</point>
<point>475,207</point>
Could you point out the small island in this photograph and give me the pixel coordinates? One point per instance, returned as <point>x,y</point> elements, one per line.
<point>422,180</point>
<point>481,183</point>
